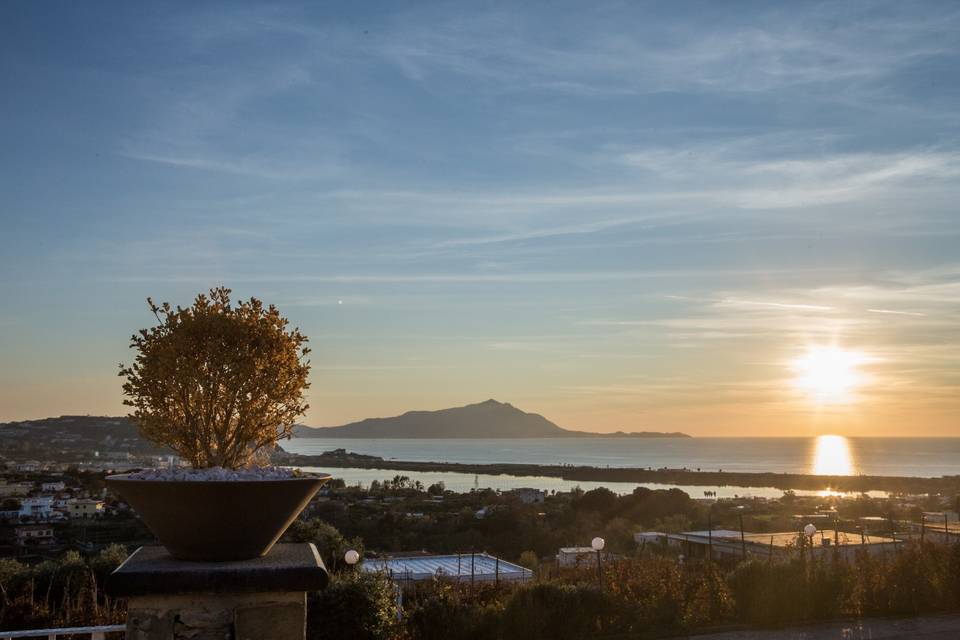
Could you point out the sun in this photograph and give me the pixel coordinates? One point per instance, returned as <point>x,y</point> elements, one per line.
<point>829,375</point>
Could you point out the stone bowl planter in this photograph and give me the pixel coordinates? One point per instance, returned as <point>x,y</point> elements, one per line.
<point>217,520</point>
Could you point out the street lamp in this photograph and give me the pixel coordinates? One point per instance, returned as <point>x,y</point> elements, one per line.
<point>809,530</point>
<point>598,543</point>
<point>351,557</point>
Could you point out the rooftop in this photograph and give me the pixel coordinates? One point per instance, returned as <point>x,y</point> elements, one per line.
<point>780,539</point>
<point>481,566</point>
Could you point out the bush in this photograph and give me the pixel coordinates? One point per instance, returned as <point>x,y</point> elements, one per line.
<point>914,580</point>
<point>354,605</point>
<point>649,593</point>
<point>54,593</point>
<point>330,543</point>
<point>437,611</point>
<point>555,612</point>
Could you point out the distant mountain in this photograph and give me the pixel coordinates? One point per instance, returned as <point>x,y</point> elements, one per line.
<point>490,419</point>
<point>74,437</point>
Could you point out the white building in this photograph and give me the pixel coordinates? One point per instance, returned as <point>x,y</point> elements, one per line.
<point>38,508</point>
<point>84,508</point>
<point>52,487</point>
<point>576,556</point>
<point>34,534</point>
<point>528,495</point>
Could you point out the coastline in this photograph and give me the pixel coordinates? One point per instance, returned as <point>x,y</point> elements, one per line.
<point>782,481</point>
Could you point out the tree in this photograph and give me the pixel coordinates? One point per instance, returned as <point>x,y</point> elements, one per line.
<point>530,560</point>
<point>217,382</point>
<point>330,543</point>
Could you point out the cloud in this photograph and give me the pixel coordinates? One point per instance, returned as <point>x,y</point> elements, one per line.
<point>620,53</point>
<point>734,302</point>
<point>898,313</point>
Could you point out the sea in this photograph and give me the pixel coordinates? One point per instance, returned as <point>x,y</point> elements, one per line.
<point>821,455</point>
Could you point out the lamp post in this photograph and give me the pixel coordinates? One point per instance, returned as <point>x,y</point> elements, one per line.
<point>598,544</point>
<point>743,542</point>
<point>809,531</point>
<point>351,557</point>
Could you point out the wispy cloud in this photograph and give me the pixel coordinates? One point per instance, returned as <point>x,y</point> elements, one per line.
<point>898,313</point>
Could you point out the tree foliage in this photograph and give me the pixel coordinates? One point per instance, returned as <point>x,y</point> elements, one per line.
<point>217,382</point>
<point>330,543</point>
<point>354,605</point>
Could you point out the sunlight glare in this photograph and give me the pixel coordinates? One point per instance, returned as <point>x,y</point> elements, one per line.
<point>832,457</point>
<point>828,374</point>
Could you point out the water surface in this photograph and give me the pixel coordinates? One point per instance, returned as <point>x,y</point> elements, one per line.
<point>925,457</point>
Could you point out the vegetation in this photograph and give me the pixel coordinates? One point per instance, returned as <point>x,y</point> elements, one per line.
<point>330,543</point>
<point>648,597</point>
<point>646,591</point>
<point>60,593</point>
<point>398,514</point>
<point>355,605</point>
<point>217,382</point>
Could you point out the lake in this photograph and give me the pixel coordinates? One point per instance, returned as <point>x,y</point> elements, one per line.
<point>834,455</point>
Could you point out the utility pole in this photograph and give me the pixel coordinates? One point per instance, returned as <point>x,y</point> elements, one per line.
<point>710,533</point>
<point>743,542</point>
<point>599,571</point>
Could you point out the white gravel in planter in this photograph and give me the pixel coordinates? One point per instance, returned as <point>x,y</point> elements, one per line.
<point>216,474</point>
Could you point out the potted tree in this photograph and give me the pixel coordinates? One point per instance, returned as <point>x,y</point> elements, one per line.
<point>219,384</point>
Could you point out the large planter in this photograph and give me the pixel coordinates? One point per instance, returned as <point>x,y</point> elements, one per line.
<point>217,520</point>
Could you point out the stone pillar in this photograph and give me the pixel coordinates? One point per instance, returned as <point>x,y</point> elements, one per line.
<point>261,599</point>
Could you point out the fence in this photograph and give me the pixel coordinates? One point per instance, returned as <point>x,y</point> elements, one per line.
<point>95,633</point>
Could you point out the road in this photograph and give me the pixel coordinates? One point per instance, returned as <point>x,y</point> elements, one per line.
<point>923,628</point>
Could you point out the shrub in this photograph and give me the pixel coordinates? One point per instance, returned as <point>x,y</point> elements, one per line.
<point>648,593</point>
<point>216,382</point>
<point>707,598</point>
<point>355,605</point>
<point>55,593</point>
<point>439,610</point>
<point>914,579</point>
<point>555,612</point>
<point>530,560</point>
<point>768,593</point>
<point>330,543</point>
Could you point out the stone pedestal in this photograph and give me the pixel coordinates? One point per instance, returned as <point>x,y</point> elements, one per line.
<point>261,599</point>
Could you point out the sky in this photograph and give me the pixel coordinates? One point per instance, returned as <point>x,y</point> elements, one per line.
<point>622,215</point>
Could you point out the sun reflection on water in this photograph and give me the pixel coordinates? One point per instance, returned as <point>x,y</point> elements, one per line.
<point>832,457</point>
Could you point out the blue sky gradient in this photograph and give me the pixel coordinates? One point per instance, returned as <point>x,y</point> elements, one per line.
<point>621,215</point>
